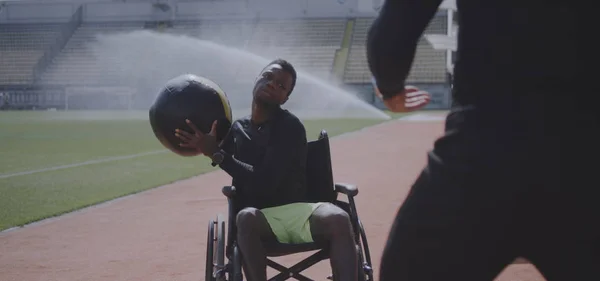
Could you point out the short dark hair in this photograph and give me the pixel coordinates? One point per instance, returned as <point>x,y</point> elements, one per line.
<point>286,66</point>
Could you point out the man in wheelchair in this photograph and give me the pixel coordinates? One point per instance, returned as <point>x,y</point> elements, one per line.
<point>266,154</point>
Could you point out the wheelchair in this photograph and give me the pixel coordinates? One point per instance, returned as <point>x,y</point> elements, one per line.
<point>221,242</point>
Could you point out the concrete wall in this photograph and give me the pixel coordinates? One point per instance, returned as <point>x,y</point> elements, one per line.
<point>96,11</point>
<point>25,12</point>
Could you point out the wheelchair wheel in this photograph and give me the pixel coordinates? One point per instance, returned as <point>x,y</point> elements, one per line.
<point>365,256</point>
<point>215,251</point>
<point>362,273</point>
<point>210,251</point>
<point>220,265</point>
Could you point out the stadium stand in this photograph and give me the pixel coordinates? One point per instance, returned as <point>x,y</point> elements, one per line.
<point>226,32</point>
<point>21,46</point>
<point>231,33</point>
<point>76,63</point>
<point>309,44</point>
<point>428,66</point>
<point>64,56</point>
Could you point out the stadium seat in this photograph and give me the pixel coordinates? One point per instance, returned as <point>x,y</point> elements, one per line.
<point>21,47</point>
<point>429,65</point>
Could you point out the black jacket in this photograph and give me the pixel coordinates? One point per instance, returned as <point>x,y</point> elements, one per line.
<point>267,163</point>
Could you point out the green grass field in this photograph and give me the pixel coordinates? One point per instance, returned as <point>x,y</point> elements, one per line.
<point>35,144</point>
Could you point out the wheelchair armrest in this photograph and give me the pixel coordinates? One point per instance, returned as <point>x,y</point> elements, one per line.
<point>229,191</point>
<point>345,188</point>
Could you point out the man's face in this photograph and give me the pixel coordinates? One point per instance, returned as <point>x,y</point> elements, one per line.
<point>273,85</point>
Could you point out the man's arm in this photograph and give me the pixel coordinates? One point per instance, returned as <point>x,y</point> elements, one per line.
<point>289,141</point>
<point>392,41</point>
<point>228,143</point>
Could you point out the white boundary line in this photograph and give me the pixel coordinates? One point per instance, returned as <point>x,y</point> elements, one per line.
<point>80,164</point>
<point>54,218</point>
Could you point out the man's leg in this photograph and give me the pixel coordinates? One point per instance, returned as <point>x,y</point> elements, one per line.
<point>252,230</point>
<point>333,224</point>
<point>458,221</point>
<point>428,241</point>
<point>564,239</point>
<point>563,242</point>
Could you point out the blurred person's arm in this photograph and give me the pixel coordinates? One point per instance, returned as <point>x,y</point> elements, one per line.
<point>392,41</point>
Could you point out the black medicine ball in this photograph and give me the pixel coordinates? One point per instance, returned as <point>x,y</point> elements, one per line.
<point>191,97</point>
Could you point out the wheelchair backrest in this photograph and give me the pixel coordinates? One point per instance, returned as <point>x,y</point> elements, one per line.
<point>319,172</point>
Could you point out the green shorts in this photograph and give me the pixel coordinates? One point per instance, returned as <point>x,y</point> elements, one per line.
<point>290,223</point>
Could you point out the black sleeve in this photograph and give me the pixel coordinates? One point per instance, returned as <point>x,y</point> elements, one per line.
<point>227,145</point>
<point>392,41</point>
<point>289,140</point>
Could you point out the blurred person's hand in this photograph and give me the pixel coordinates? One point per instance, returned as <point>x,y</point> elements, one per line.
<point>411,99</point>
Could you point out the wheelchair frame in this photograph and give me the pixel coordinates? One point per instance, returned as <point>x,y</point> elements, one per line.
<point>221,246</point>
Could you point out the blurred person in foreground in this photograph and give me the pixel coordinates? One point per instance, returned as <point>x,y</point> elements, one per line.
<point>514,174</point>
